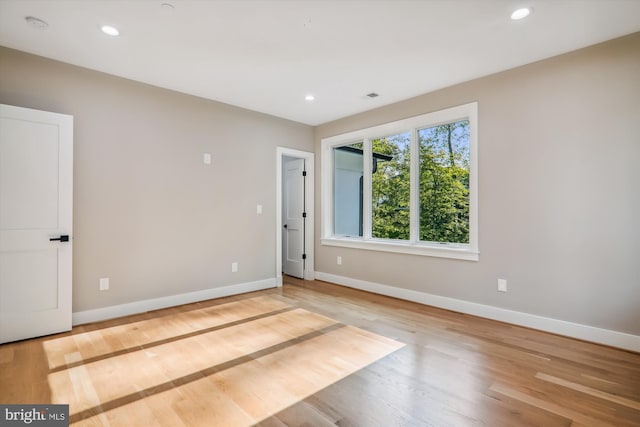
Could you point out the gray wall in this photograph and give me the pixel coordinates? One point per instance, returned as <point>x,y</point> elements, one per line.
<point>559,201</point>
<point>147,213</point>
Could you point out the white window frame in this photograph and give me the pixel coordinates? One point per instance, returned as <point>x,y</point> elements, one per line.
<point>413,246</point>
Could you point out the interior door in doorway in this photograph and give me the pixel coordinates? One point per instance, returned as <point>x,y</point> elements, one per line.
<point>36,190</point>
<point>293,218</point>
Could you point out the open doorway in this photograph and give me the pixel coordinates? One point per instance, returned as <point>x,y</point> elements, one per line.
<point>294,214</point>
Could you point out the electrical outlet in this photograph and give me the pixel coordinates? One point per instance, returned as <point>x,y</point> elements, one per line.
<point>206,158</point>
<point>339,260</point>
<point>234,267</point>
<point>104,284</point>
<point>502,285</point>
<point>259,209</point>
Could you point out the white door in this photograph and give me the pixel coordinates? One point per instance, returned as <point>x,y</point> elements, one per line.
<point>36,190</point>
<point>292,218</point>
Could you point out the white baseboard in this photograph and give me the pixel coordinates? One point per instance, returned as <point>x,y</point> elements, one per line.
<point>136,307</point>
<point>560,327</point>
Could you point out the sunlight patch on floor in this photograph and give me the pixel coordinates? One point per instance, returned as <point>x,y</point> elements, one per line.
<point>232,375</point>
<point>132,335</point>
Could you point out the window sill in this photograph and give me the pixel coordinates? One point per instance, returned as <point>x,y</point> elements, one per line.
<point>463,253</point>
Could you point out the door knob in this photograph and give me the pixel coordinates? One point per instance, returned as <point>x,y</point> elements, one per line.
<point>285,226</point>
<point>63,238</point>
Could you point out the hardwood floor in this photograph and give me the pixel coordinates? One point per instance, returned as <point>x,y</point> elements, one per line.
<point>316,354</point>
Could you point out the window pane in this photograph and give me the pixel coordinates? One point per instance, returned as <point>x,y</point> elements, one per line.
<point>444,183</point>
<point>347,190</point>
<point>390,187</point>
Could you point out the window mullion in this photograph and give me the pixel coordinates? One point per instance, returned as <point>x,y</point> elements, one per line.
<point>473,179</point>
<point>367,159</point>
<point>414,186</point>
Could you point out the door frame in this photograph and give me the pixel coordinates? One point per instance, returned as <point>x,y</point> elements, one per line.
<point>281,152</point>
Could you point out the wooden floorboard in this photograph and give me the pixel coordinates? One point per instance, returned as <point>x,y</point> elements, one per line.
<point>315,354</point>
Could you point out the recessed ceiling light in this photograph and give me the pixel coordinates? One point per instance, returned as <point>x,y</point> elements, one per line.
<point>310,98</point>
<point>36,22</point>
<point>110,31</point>
<point>520,13</point>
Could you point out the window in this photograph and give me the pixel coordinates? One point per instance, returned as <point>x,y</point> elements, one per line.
<point>444,182</point>
<point>409,186</point>
<point>390,189</point>
<point>347,190</point>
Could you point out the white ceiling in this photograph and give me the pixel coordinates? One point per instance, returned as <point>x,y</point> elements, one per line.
<point>267,55</point>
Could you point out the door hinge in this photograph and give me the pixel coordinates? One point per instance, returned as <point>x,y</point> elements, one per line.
<point>304,173</point>
<point>304,214</point>
<point>304,256</point>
